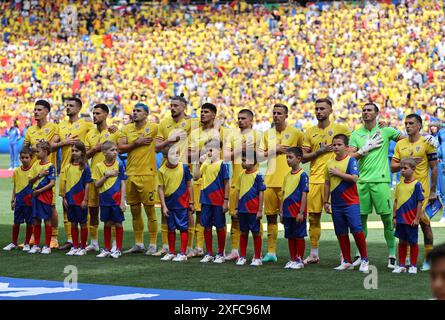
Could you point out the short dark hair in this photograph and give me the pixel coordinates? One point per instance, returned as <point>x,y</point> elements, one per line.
<point>44,104</point>
<point>103,107</point>
<point>415,116</point>
<point>297,151</point>
<point>27,150</point>
<point>437,110</point>
<point>76,99</point>
<point>370,103</point>
<point>436,254</point>
<point>209,106</point>
<point>324,100</point>
<point>250,113</point>
<point>342,137</point>
<point>179,98</point>
<point>283,106</point>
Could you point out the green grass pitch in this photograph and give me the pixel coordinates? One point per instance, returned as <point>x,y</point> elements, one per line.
<point>313,282</point>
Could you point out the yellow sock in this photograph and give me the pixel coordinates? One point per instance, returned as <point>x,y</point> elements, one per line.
<point>272,235</point>
<point>427,248</point>
<point>138,223</point>
<point>199,234</point>
<point>164,234</point>
<point>67,225</point>
<point>54,233</point>
<point>94,232</point>
<point>235,234</point>
<point>152,224</point>
<point>314,229</point>
<point>191,232</point>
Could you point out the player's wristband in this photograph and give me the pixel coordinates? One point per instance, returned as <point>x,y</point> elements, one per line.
<point>191,203</point>
<point>226,198</point>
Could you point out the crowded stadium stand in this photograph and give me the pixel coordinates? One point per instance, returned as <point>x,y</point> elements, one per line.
<point>251,55</point>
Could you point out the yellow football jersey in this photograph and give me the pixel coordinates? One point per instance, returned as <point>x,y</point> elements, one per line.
<point>78,129</point>
<point>169,127</point>
<point>236,143</point>
<point>313,137</point>
<point>22,187</point>
<point>141,161</point>
<point>419,149</point>
<point>36,134</point>
<point>277,167</point>
<point>94,137</point>
<point>110,191</point>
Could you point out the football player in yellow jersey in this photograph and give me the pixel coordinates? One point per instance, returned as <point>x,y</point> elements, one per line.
<point>44,131</point>
<point>244,140</point>
<point>425,155</point>
<point>69,132</point>
<point>175,130</point>
<point>210,129</point>
<point>317,148</point>
<point>274,145</point>
<point>93,142</point>
<point>138,141</point>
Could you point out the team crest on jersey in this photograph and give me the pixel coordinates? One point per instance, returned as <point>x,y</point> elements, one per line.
<point>106,135</point>
<point>183,124</point>
<point>330,133</point>
<point>76,126</point>
<point>287,135</point>
<point>147,130</point>
<point>46,130</point>
<point>417,148</point>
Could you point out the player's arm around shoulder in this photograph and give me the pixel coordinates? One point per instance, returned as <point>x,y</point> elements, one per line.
<point>305,186</point>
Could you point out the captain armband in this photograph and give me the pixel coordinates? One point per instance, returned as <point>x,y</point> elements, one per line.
<point>432,156</point>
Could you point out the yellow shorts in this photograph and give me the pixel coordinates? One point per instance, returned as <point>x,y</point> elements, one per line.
<point>272,200</point>
<point>232,200</point>
<point>196,195</point>
<point>93,196</point>
<point>315,198</point>
<point>424,217</point>
<point>140,189</point>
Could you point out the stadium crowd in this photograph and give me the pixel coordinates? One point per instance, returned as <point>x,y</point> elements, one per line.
<point>237,56</point>
<point>298,68</point>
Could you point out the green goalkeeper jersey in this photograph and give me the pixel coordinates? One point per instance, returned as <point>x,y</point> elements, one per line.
<point>374,167</point>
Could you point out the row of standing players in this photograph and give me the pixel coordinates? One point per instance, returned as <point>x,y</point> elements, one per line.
<point>140,140</point>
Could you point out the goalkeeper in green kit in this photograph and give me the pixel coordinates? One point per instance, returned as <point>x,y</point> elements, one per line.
<point>369,145</point>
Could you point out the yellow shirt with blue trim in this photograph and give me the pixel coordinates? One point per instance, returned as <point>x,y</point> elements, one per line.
<point>343,193</point>
<point>277,167</point>
<point>74,179</point>
<point>141,161</point>
<point>46,197</point>
<point>212,186</point>
<point>294,185</point>
<point>22,187</point>
<point>421,149</point>
<point>110,191</point>
<point>313,138</point>
<point>249,185</point>
<point>237,140</point>
<point>36,134</point>
<point>174,181</point>
<point>78,129</point>
<point>408,196</point>
<point>94,137</point>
